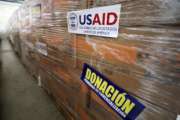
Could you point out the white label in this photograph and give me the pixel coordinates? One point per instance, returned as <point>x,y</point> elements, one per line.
<point>39,81</point>
<point>101,21</point>
<point>178,117</point>
<point>36,11</point>
<point>41,48</point>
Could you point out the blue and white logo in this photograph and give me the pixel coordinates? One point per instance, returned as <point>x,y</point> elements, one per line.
<point>73,21</point>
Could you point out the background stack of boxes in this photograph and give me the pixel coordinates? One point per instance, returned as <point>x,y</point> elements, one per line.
<point>144,59</point>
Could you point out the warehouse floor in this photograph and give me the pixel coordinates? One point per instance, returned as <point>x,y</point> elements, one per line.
<point>21,98</point>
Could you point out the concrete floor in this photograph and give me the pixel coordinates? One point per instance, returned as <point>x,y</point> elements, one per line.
<point>21,98</point>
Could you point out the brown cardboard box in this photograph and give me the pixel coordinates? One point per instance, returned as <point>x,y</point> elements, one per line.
<point>144,59</point>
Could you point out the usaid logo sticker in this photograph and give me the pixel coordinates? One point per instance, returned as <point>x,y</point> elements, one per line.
<point>100,21</point>
<point>73,21</point>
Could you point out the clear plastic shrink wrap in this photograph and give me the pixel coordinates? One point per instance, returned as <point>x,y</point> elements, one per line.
<point>144,59</point>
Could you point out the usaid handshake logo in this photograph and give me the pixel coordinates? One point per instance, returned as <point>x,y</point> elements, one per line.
<point>73,21</point>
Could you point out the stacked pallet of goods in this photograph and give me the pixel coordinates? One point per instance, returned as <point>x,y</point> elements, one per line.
<point>144,59</point>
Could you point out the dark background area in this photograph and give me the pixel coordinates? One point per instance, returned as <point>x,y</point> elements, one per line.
<point>0,83</point>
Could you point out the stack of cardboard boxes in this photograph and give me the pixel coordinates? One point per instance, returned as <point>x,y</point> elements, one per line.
<point>143,59</point>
